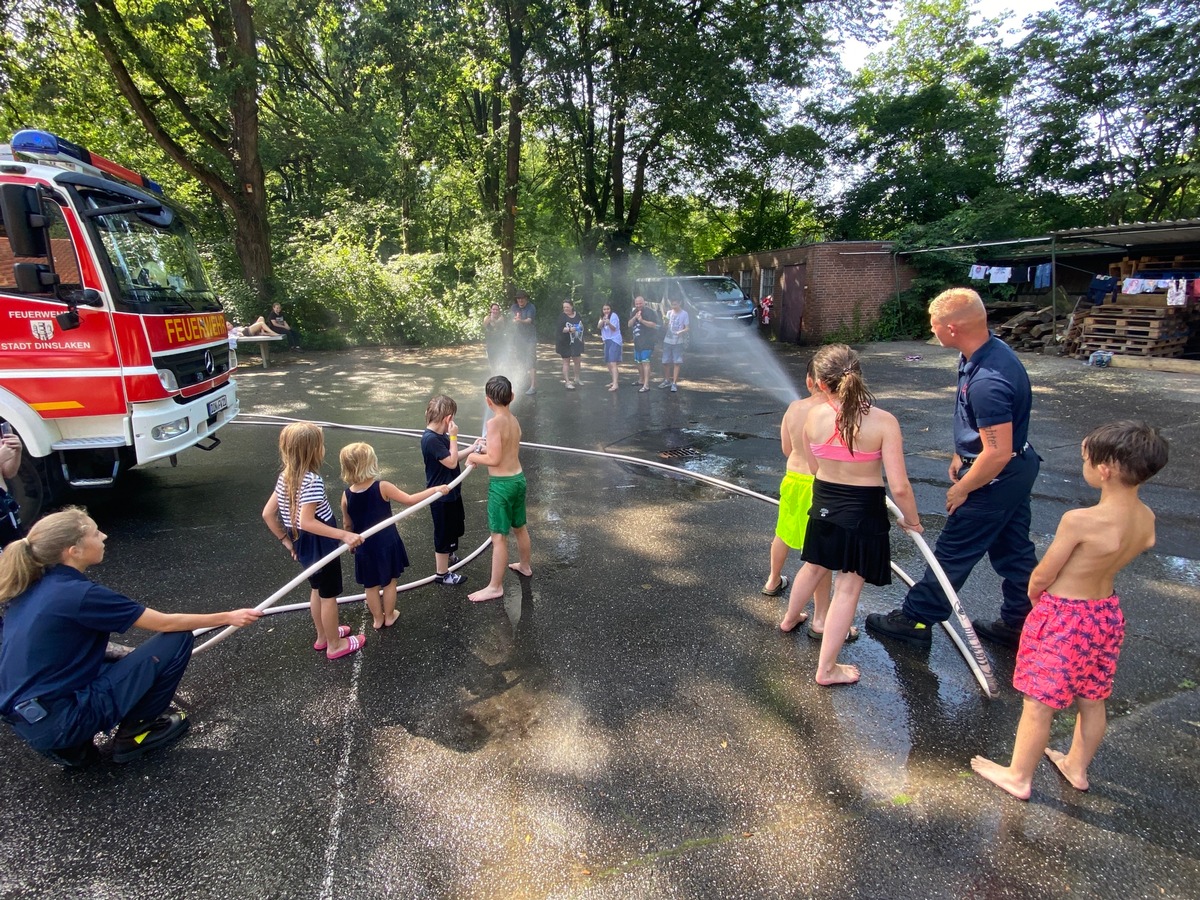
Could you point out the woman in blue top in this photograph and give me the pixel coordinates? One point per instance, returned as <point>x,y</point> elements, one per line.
<point>56,689</point>
<point>610,330</point>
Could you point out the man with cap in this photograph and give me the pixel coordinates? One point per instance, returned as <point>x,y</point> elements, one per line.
<point>992,475</point>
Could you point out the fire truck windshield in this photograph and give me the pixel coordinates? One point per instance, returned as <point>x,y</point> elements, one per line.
<point>154,263</point>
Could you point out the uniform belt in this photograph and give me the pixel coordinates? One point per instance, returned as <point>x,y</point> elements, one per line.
<point>969,461</point>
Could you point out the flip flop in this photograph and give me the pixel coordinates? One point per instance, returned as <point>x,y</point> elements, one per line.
<point>783,583</point>
<point>343,631</point>
<point>851,635</point>
<point>353,644</point>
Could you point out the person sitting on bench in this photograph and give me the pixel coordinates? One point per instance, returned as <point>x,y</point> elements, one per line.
<point>257,328</point>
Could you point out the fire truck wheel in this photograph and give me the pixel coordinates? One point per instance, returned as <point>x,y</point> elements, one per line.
<point>35,487</point>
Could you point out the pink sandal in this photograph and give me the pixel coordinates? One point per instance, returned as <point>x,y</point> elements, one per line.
<point>353,644</point>
<point>343,631</point>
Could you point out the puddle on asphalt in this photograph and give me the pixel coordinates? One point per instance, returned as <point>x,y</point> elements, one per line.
<point>1182,570</point>
<point>728,455</point>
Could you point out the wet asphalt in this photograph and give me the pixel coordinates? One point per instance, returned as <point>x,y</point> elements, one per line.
<point>629,722</point>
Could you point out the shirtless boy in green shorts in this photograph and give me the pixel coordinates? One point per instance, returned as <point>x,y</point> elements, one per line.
<point>506,487</point>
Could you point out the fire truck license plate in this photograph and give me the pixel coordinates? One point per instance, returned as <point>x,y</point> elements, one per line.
<point>215,406</point>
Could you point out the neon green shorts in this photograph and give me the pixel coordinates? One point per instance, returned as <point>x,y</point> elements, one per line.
<point>506,502</point>
<point>795,498</point>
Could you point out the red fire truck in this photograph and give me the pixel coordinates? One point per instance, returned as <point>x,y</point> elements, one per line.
<point>113,347</point>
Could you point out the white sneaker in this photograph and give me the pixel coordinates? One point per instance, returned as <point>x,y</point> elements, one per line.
<point>674,389</point>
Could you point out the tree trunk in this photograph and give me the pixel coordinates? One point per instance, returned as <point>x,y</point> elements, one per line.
<point>517,48</point>
<point>236,55</point>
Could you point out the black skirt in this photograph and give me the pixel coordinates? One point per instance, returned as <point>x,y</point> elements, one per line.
<point>848,529</point>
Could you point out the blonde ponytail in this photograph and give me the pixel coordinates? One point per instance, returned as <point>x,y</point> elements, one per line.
<point>25,561</point>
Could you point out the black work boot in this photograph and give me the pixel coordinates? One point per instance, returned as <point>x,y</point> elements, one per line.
<point>73,757</point>
<point>898,626</point>
<point>132,742</point>
<point>999,632</point>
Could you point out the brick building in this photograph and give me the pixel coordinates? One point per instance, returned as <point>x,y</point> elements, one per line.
<point>817,289</point>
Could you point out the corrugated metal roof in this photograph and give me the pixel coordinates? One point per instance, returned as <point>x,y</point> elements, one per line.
<point>1171,231</point>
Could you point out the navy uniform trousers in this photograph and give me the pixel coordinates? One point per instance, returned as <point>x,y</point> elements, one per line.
<point>994,520</point>
<point>137,688</point>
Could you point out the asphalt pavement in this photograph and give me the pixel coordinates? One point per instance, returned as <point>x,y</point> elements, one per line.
<point>629,722</point>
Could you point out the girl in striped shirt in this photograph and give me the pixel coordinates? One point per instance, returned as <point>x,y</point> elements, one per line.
<point>300,510</point>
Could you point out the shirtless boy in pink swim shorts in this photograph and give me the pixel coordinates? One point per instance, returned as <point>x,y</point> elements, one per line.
<point>1071,640</point>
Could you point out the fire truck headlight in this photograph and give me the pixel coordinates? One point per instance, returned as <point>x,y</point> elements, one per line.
<point>170,430</point>
<point>168,380</point>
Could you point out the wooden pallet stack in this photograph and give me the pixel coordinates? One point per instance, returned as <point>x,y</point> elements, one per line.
<point>1133,330</point>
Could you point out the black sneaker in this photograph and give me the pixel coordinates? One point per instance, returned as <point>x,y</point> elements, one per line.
<point>900,627</point>
<point>999,632</point>
<point>130,743</point>
<point>450,578</point>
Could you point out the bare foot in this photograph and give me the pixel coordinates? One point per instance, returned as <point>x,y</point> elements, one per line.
<point>486,593</point>
<point>391,619</point>
<point>841,674</point>
<point>785,625</point>
<point>1060,762</point>
<point>1001,776</point>
<point>377,624</point>
<point>516,567</point>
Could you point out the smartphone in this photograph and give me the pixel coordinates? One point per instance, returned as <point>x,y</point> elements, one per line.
<point>31,711</point>
<point>5,429</point>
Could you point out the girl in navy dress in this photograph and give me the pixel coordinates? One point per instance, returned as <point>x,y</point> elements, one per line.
<point>299,514</point>
<point>366,502</point>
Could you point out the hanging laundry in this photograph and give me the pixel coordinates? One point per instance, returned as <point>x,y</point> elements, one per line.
<point>1163,284</point>
<point>1101,288</point>
<point>999,275</point>
<point>1177,292</point>
<point>978,273</point>
<point>1041,278</point>
<point>1133,286</point>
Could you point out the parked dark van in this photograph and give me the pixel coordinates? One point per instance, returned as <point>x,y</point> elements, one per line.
<point>710,300</point>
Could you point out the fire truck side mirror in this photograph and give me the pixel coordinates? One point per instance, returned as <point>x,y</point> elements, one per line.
<point>68,320</point>
<point>23,220</point>
<point>34,278</point>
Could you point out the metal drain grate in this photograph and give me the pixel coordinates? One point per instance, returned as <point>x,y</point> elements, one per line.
<point>679,453</point>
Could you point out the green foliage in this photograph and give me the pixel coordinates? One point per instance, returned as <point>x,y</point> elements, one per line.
<point>855,332</point>
<point>926,119</point>
<point>341,293</point>
<point>654,137</point>
<point>906,316</point>
<point>1115,106</point>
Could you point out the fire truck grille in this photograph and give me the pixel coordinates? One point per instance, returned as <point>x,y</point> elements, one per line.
<point>195,366</point>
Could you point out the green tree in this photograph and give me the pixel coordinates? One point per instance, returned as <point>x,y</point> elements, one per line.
<point>927,121</point>
<point>1114,109</point>
<point>648,95</point>
<point>189,71</point>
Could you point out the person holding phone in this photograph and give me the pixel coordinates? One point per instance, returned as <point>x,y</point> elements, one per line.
<point>10,462</point>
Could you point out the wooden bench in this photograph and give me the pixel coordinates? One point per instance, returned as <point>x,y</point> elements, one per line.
<point>264,345</point>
